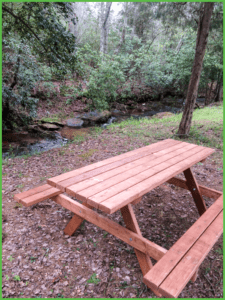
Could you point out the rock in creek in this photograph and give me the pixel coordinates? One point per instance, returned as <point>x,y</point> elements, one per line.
<point>48,126</point>
<point>76,122</point>
<point>93,117</point>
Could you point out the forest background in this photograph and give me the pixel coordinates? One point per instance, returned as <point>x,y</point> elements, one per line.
<point>143,51</point>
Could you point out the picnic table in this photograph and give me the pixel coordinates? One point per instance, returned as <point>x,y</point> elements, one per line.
<point>118,183</point>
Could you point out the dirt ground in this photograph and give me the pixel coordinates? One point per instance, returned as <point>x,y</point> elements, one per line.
<point>39,261</point>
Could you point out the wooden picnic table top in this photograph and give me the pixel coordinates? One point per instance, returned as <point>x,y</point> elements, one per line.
<point>115,182</point>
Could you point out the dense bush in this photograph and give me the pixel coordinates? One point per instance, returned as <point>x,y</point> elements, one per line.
<point>104,83</point>
<point>20,74</point>
<point>164,71</point>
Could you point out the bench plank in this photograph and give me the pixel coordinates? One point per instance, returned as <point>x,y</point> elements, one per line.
<point>38,197</point>
<point>164,267</point>
<point>179,277</point>
<point>31,192</point>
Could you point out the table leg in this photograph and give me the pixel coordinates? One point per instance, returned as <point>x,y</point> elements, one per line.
<point>136,201</point>
<point>194,277</point>
<point>74,223</point>
<point>131,224</point>
<point>195,191</point>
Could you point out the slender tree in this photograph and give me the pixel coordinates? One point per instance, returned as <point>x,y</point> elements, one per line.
<point>201,42</point>
<point>105,26</point>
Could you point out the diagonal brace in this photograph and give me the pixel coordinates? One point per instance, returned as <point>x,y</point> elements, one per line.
<point>74,223</point>
<point>133,239</point>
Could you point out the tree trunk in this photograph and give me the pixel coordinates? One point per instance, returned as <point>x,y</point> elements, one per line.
<point>208,95</point>
<point>201,42</point>
<point>122,40</point>
<point>219,90</point>
<point>179,45</point>
<point>104,27</point>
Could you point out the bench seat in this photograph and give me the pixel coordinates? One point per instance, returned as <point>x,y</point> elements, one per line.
<point>37,194</point>
<point>174,270</point>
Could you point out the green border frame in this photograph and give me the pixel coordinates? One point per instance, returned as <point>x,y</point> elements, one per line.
<point>1,89</point>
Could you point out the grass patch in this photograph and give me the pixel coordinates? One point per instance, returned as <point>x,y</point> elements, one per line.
<point>79,139</point>
<point>206,129</point>
<point>55,118</point>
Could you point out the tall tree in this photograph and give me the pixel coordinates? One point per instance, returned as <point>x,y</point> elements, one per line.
<point>201,42</point>
<point>124,27</point>
<point>104,26</point>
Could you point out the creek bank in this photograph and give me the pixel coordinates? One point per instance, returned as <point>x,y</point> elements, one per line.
<point>44,135</point>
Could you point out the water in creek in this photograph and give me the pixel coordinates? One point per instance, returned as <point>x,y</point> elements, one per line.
<point>23,143</point>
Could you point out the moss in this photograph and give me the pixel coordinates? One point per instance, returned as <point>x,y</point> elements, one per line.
<point>89,153</point>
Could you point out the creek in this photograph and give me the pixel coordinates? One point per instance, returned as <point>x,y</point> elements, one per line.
<point>26,142</point>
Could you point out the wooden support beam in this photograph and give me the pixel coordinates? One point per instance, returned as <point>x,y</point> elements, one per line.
<point>205,191</point>
<point>194,189</point>
<point>136,201</point>
<point>74,223</point>
<point>133,239</point>
<point>131,224</point>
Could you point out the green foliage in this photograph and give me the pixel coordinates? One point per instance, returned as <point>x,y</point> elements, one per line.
<point>104,83</point>
<point>79,139</point>
<point>10,258</point>
<point>93,279</point>
<point>16,278</point>
<point>32,259</point>
<point>36,43</point>
<point>87,58</point>
<point>43,25</point>
<point>19,68</point>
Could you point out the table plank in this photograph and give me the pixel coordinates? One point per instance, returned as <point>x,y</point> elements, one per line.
<point>116,184</point>
<point>94,185</point>
<point>171,169</point>
<point>64,180</point>
<point>160,165</point>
